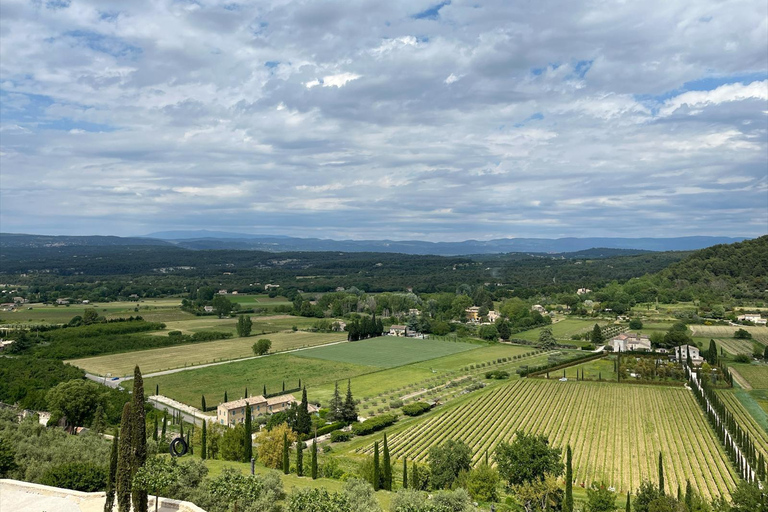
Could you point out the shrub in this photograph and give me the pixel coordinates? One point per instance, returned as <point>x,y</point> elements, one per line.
<point>79,476</point>
<point>339,436</point>
<point>372,425</point>
<point>395,404</point>
<point>416,408</point>
<point>497,374</point>
<point>741,358</point>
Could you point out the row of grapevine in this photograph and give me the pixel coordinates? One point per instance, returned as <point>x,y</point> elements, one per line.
<point>746,421</point>
<point>616,431</point>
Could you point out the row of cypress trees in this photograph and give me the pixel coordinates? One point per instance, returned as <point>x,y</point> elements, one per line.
<point>129,453</point>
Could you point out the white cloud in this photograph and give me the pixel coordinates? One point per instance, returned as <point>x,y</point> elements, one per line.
<point>723,94</point>
<point>452,78</point>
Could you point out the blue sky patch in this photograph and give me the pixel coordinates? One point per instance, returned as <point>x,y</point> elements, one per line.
<point>432,13</point>
<point>105,44</point>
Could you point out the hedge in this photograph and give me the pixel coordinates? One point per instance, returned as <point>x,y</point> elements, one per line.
<point>374,424</point>
<point>339,436</point>
<point>325,429</point>
<point>416,408</point>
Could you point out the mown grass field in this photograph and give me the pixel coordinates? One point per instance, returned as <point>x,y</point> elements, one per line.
<point>562,330</point>
<point>616,431</point>
<point>261,324</point>
<point>166,358</point>
<point>756,374</point>
<point>188,386</point>
<point>388,351</point>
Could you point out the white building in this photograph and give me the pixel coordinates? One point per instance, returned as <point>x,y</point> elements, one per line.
<point>583,291</point>
<point>630,342</point>
<point>398,330</point>
<point>755,319</point>
<point>208,309</point>
<point>232,413</point>
<point>681,354</point>
<point>493,316</point>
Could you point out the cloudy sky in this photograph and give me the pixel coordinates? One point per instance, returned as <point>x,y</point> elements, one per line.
<point>397,119</point>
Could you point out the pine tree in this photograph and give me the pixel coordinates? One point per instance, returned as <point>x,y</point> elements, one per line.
<point>405,472</point>
<point>376,470</point>
<point>204,441</point>
<point>154,430</point>
<point>202,402</point>
<point>112,475</point>
<point>300,457</point>
<point>568,502</point>
<point>661,474</point>
<point>138,439</point>
<point>597,335</point>
<point>349,413</point>
<point>248,441</point>
<point>314,459</point>
<point>286,460</point>
<point>123,474</point>
<point>335,405</point>
<point>386,468</point>
<point>265,391</point>
<point>98,420</point>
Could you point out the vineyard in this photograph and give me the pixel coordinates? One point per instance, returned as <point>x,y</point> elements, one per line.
<point>757,433</point>
<point>759,334</point>
<point>736,347</point>
<point>755,374</point>
<point>616,431</point>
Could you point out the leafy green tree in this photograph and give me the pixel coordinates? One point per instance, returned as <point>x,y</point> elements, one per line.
<point>529,457</point>
<point>232,443</point>
<point>446,461</point>
<point>646,494</point>
<point>600,499</point>
<point>539,494</point>
<point>315,500</point>
<point>597,335</point>
<point>488,332</point>
<point>124,461</point>
<point>112,474</point>
<point>7,458</point>
<point>262,346</point>
<point>90,316</point>
<point>244,326</point>
<point>749,497</point>
<point>483,483</point>
<point>76,400</point>
<point>156,475</point>
<point>546,340</point>
<point>222,306</point>
<point>361,496</point>
<point>742,334</point>
<point>635,324</point>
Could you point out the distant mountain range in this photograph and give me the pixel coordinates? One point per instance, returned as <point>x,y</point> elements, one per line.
<point>202,239</point>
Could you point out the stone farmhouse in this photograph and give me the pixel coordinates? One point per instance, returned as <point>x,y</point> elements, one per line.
<point>232,413</point>
<point>630,342</point>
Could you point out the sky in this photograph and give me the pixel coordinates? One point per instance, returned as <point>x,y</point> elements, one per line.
<point>399,119</point>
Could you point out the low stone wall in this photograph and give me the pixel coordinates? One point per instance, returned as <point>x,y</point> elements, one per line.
<point>17,496</point>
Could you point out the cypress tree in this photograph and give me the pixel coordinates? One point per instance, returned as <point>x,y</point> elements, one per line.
<point>486,457</point>
<point>628,507</point>
<point>225,397</point>
<point>299,386</point>
<point>661,474</point>
<point>688,495</point>
<point>568,502</point>
<point>123,474</point>
<point>286,460</point>
<point>405,472</point>
<point>157,389</point>
<point>138,439</point>
<point>154,430</point>
<point>300,458</point>
<point>165,424</point>
<point>181,428</point>
<point>314,459</point>
<point>248,441</point>
<point>283,386</point>
<point>202,401</point>
<point>386,468</point>
<point>110,503</point>
<point>376,472</point>
<point>414,482</point>
<point>679,494</point>
<point>204,440</point>
<point>303,419</point>
<point>335,405</point>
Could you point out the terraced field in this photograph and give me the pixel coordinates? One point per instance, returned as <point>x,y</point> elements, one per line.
<point>758,434</point>
<point>616,431</point>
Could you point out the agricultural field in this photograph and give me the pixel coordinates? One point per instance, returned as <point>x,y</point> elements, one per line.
<point>153,310</point>
<point>755,374</point>
<point>562,330</point>
<point>261,324</point>
<point>616,431</point>
<point>759,334</point>
<point>213,381</point>
<point>750,416</point>
<point>158,359</point>
<point>388,351</point>
<point>592,370</point>
<point>731,345</point>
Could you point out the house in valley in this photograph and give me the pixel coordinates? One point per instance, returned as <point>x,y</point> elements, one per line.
<point>398,330</point>
<point>232,413</point>
<point>630,342</point>
<point>682,351</point>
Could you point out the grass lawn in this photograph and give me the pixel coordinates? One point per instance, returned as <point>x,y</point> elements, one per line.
<point>388,351</point>
<point>562,330</point>
<point>756,374</point>
<point>272,371</point>
<point>159,359</point>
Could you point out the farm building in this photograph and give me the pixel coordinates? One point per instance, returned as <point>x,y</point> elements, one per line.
<point>398,330</point>
<point>493,316</point>
<point>628,342</point>
<point>681,353</point>
<point>755,319</point>
<point>208,309</point>
<point>232,413</point>
<point>583,291</point>
<point>473,313</point>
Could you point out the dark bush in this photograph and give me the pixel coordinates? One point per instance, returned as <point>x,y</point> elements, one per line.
<point>372,425</point>
<point>79,476</point>
<point>415,409</point>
